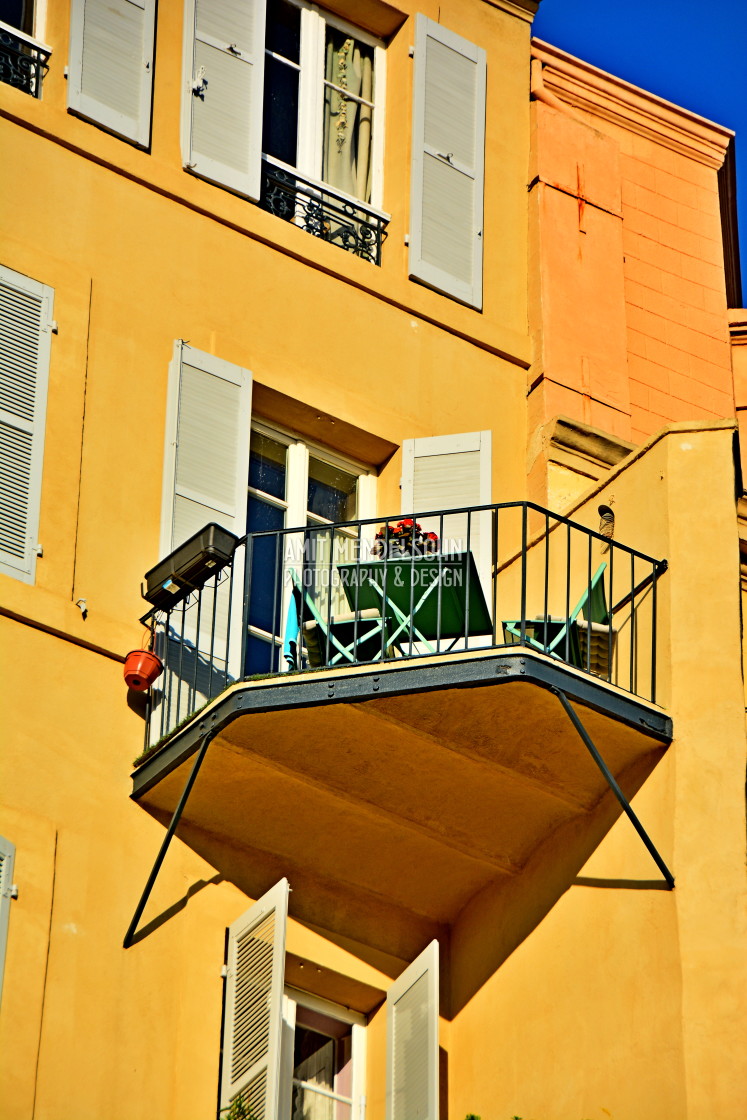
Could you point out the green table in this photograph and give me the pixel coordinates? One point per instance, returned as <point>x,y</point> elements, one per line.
<point>427,598</point>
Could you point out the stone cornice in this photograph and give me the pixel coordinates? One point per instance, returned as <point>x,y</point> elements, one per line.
<point>599,447</point>
<point>593,91</point>
<point>738,327</point>
<point>524,9</point>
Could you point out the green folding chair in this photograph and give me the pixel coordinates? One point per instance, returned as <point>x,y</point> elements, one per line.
<point>586,644</point>
<point>353,638</point>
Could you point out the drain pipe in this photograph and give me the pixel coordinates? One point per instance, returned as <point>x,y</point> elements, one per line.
<point>540,92</point>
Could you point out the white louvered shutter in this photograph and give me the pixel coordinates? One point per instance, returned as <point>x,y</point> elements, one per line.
<point>224,55</point>
<point>206,473</point>
<point>412,1040</point>
<point>448,158</point>
<point>25,334</point>
<point>450,472</point>
<point>253,1005</point>
<point>207,445</point>
<point>7,856</point>
<point>110,78</point>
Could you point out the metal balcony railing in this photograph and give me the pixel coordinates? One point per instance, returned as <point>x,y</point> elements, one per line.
<point>371,591</point>
<point>323,212</point>
<point>23,61</point>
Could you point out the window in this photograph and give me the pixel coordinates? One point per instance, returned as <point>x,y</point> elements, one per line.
<point>247,477</point>
<point>293,483</point>
<point>322,1060</point>
<point>284,104</point>
<point>25,333</point>
<point>319,114</point>
<point>23,61</point>
<point>294,1056</point>
<point>110,78</point>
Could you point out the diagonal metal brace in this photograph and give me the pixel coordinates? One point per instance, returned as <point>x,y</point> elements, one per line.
<point>129,936</point>
<point>615,787</point>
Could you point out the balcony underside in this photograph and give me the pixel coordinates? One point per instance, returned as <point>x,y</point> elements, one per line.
<point>396,793</point>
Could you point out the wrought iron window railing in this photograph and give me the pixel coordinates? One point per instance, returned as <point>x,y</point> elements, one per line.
<point>322,212</point>
<point>23,61</point>
<point>371,591</point>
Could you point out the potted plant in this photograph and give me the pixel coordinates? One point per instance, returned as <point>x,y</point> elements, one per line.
<point>404,538</point>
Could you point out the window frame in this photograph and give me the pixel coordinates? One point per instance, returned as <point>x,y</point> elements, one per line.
<point>294,997</point>
<point>300,451</point>
<point>314,21</point>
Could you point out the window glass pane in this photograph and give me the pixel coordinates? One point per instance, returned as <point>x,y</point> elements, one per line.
<point>346,148</point>
<point>266,558</point>
<point>283,29</point>
<point>260,657</point>
<point>267,466</point>
<point>310,1105</point>
<point>18,13</point>
<point>280,114</point>
<point>322,1065</point>
<point>332,492</point>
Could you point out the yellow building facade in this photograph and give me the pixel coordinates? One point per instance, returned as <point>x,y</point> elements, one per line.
<point>309,274</point>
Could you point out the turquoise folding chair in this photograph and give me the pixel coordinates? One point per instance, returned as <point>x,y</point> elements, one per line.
<point>586,645</point>
<point>351,638</point>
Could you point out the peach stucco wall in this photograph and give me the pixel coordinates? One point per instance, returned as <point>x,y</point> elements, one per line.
<point>628,309</point>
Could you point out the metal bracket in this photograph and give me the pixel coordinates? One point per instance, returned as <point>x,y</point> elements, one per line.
<point>668,876</point>
<point>128,937</point>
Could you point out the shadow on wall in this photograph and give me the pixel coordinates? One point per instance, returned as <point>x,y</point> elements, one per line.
<point>498,919</point>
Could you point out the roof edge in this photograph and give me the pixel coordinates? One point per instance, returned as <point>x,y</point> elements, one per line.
<point>603,95</point>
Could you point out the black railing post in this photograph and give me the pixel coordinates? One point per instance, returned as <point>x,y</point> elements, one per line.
<point>439,602</point>
<point>523,599</point>
<point>654,612</point>
<point>248,563</point>
<point>229,622</point>
<point>545,607</point>
<point>494,572</point>
<point>568,552</point>
<point>632,621</point>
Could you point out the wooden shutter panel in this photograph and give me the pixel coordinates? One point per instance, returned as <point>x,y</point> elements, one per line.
<point>252,1021</point>
<point>448,158</point>
<point>7,856</point>
<point>110,79</point>
<point>25,333</point>
<point>412,1040</point>
<point>448,472</point>
<point>224,57</point>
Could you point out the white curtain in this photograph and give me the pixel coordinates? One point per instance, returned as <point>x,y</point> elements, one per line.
<point>347,123</point>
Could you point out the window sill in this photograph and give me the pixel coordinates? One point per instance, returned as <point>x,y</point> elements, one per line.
<point>23,60</point>
<point>324,212</point>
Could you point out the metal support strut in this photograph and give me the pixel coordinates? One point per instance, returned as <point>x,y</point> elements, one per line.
<point>615,787</point>
<point>129,936</point>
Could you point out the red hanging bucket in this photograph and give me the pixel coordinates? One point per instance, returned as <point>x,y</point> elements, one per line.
<point>141,668</point>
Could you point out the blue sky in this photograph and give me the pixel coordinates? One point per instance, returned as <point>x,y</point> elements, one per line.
<point>690,52</point>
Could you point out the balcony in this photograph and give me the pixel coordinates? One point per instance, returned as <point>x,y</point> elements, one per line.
<point>323,212</point>
<point>400,590</point>
<point>397,709</point>
<point>23,61</point>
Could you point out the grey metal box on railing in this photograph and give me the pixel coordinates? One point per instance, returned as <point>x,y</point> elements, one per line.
<point>189,566</point>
